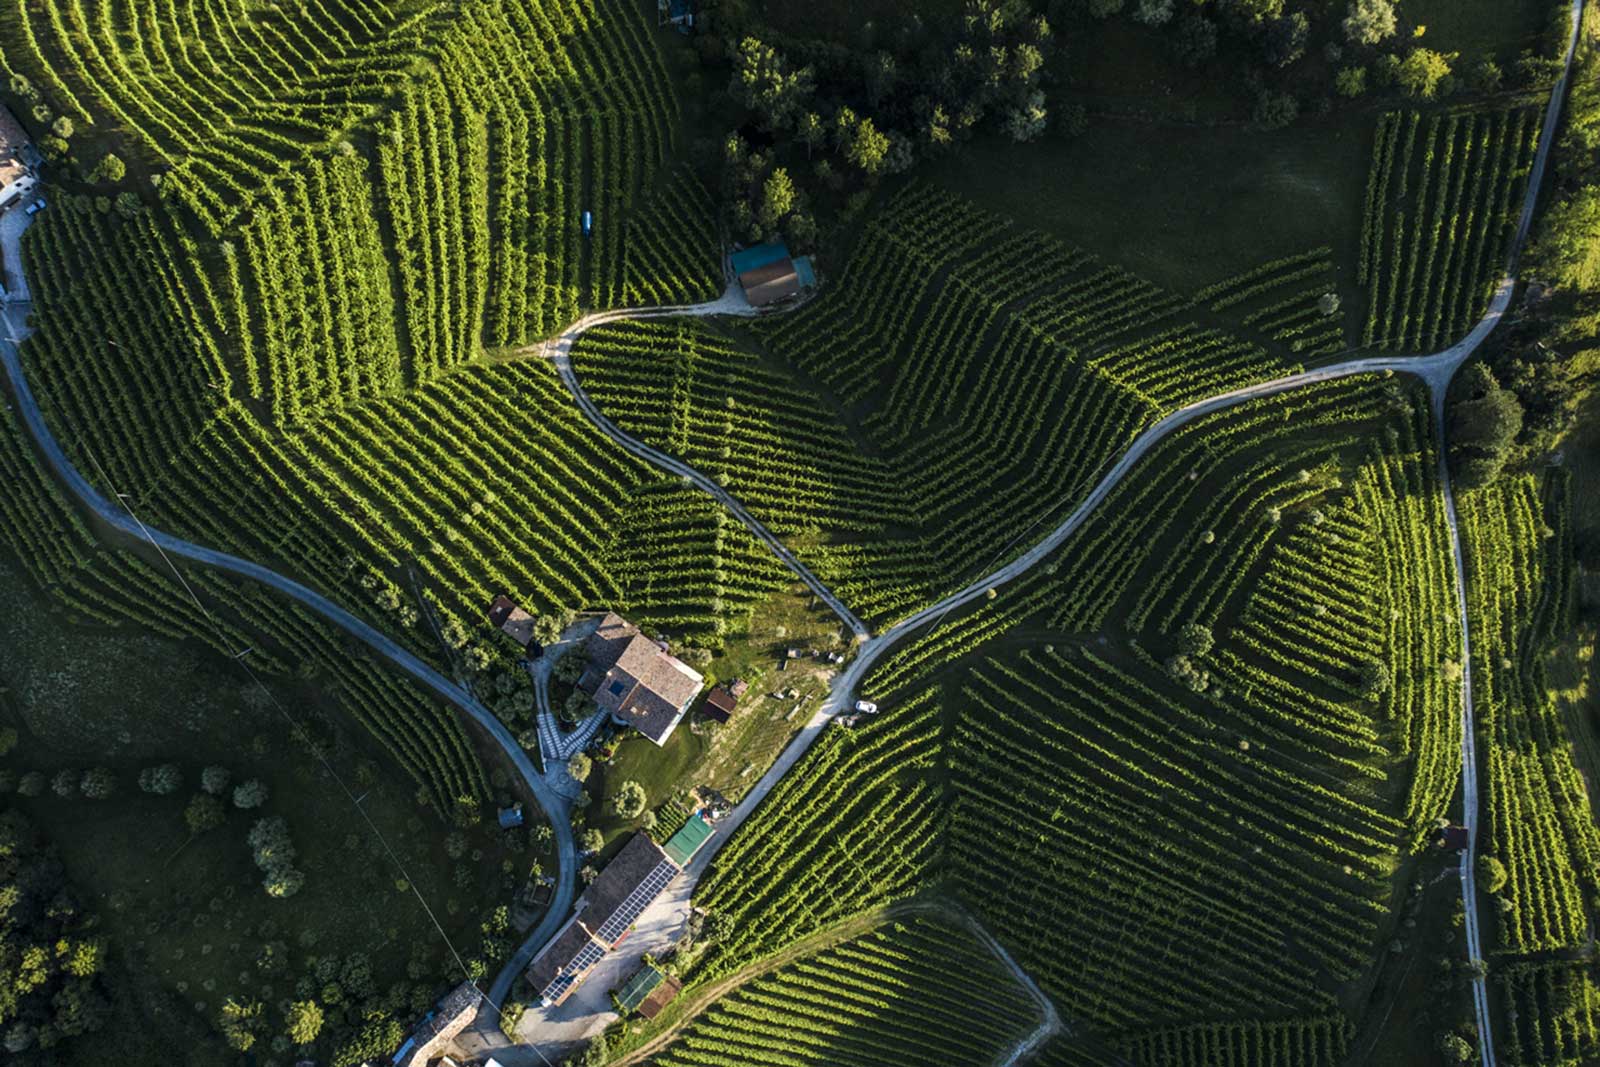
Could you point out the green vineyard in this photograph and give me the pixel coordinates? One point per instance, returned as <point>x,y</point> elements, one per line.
<point>907,994</point>
<point>1554,1010</point>
<point>1518,541</point>
<point>1249,807</point>
<point>1442,197</point>
<point>960,362</point>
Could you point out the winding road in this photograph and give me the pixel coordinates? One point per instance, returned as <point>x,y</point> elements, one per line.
<point>1435,370</point>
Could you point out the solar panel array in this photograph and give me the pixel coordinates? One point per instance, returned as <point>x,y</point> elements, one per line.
<point>569,975</point>
<point>638,900</point>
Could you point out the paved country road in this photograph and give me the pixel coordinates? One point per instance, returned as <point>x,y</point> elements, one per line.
<point>1436,372</point>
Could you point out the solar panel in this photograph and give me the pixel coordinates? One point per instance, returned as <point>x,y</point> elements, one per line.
<point>587,957</point>
<point>638,900</point>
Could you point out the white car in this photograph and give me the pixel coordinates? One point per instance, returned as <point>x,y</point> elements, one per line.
<point>866,707</point>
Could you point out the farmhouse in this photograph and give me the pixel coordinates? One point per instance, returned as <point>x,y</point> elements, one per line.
<point>768,274</point>
<point>636,681</point>
<point>16,153</point>
<point>439,1027</point>
<point>512,620</point>
<point>605,913</point>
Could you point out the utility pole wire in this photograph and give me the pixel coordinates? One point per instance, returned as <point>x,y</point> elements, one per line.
<point>297,729</point>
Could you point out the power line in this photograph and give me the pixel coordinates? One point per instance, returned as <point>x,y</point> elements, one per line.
<point>297,728</point>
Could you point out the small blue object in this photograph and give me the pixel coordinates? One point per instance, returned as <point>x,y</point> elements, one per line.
<point>588,223</point>
<point>758,256</point>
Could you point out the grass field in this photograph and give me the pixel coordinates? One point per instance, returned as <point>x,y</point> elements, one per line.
<point>186,916</point>
<point>1125,191</point>
<point>1499,28</point>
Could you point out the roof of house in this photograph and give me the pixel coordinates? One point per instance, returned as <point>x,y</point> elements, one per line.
<point>511,816</point>
<point>772,282</point>
<point>511,619</point>
<point>450,1018</point>
<point>722,699</point>
<point>634,877</point>
<point>806,272</point>
<point>562,963</point>
<point>641,985</point>
<point>758,256</point>
<point>651,1006</point>
<point>1453,837</point>
<point>632,678</point>
<point>13,139</point>
<point>681,846</point>
<point>738,687</point>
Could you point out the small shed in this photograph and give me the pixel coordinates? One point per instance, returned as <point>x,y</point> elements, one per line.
<point>511,817</point>
<point>720,704</point>
<point>691,836</point>
<point>511,620</point>
<point>1453,838</point>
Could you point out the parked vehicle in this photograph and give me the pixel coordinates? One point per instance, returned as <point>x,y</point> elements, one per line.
<point>866,707</point>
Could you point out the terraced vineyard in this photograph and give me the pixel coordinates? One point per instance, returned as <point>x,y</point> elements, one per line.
<point>1519,549</point>
<point>1442,196</point>
<point>119,589</point>
<point>917,992</point>
<point>958,359</point>
<point>1206,841</point>
<point>1293,301</point>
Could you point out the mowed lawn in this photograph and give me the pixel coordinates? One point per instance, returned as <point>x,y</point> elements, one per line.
<point>1181,205</point>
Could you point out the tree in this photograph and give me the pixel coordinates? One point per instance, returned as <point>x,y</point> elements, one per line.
<point>579,705</point>
<point>1350,82</point>
<point>1375,678</point>
<point>1491,874</point>
<point>1182,669</point>
<point>867,148</point>
<point>161,781</point>
<point>8,740</point>
<point>1567,249</point>
<point>1286,38</point>
<point>547,629</point>
<point>64,783</point>
<point>1455,1048</point>
<point>812,131</point>
<point>1027,121</point>
<point>765,85</point>
<point>241,1022</point>
<point>214,780</point>
<point>1328,303</point>
<point>1369,21</point>
<point>1421,72</point>
<point>1486,75</point>
<point>251,794</point>
<point>1194,39</point>
<point>1153,12</point>
<point>205,812</point>
<point>62,127</point>
<point>1483,424</point>
<point>1275,110</point>
<point>579,766</point>
<point>1195,639</point>
<point>777,197</point>
<point>109,169</point>
<point>629,800</point>
<point>303,1021</point>
<point>592,840</point>
<point>32,784</point>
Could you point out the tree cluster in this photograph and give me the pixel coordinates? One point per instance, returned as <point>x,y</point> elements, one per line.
<point>50,964</point>
<point>860,113</point>
<point>274,853</point>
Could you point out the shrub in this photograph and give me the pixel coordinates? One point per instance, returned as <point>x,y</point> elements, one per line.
<point>1421,73</point>
<point>214,780</point>
<point>251,794</point>
<point>1195,640</point>
<point>629,800</point>
<point>1350,82</point>
<point>592,840</point>
<point>31,784</point>
<point>579,767</point>
<point>161,781</point>
<point>1491,874</point>
<point>205,812</point>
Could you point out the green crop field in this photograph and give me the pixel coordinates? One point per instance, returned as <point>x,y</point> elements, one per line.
<point>1442,196</point>
<point>904,994</point>
<point>880,427</point>
<point>1113,574</point>
<point>1258,822</point>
